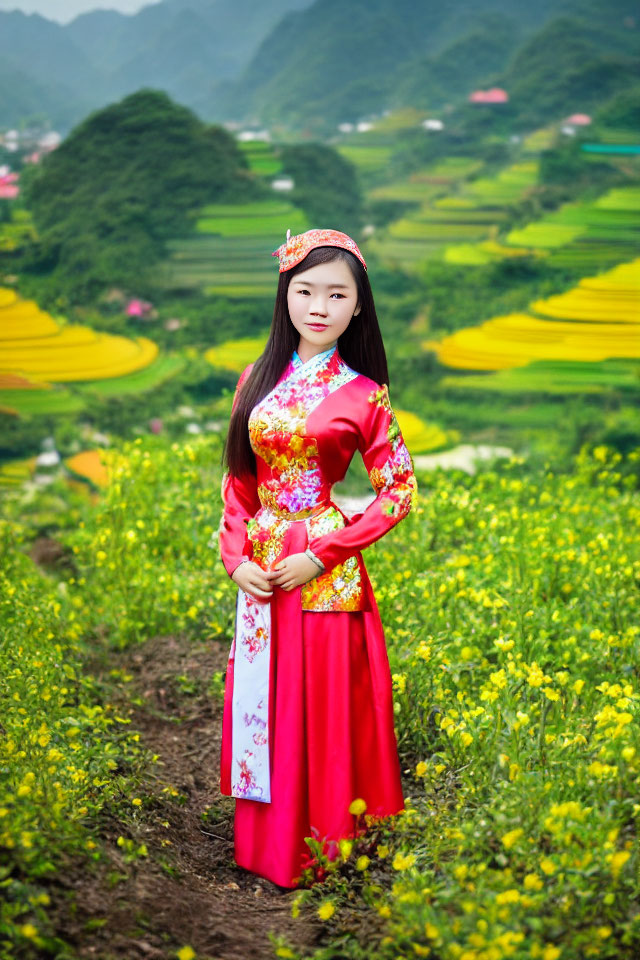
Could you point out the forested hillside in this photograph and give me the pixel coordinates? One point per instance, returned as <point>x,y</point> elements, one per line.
<point>124,181</point>
<point>181,46</point>
<point>428,55</point>
<point>293,63</point>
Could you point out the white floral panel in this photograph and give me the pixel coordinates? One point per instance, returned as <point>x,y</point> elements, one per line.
<point>250,773</point>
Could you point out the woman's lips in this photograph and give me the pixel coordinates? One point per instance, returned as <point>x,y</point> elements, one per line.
<point>318,326</point>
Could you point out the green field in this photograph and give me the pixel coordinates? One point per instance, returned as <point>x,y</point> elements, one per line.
<point>231,252</point>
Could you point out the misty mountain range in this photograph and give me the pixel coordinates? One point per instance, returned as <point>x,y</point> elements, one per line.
<point>305,64</point>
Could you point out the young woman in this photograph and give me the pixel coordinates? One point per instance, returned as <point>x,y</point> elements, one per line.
<point>308,711</point>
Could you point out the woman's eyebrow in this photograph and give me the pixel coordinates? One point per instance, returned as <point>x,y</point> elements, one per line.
<point>306,283</point>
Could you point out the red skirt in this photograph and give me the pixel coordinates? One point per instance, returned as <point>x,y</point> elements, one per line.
<point>331,736</point>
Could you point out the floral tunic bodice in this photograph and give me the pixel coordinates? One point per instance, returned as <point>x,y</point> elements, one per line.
<point>304,434</point>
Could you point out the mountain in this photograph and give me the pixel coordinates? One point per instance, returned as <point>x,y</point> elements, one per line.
<point>43,71</point>
<point>330,62</point>
<point>180,46</point>
<point>306,65</point>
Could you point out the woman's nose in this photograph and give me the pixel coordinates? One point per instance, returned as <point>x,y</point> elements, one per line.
<point>319,305</point>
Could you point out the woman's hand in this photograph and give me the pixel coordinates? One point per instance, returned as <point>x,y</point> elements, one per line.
<point>254,580</point>
<point>293,571</point>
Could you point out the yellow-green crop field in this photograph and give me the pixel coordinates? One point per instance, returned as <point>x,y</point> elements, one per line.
<point>457,221</point>
<point>35,345</point>
<point>512,613</point>
<point>597,320</point>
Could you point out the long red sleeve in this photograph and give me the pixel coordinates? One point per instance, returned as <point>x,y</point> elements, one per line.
<point>240,499</point>
<point>390,470</point>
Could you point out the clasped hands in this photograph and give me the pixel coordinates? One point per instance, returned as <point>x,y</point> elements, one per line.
<point>288,573</point>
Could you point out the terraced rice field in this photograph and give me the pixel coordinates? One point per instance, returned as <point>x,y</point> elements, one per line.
<point>261,158</point>
<point>426,184</point>
<point>35,345</point>
<point>556,377</point>
<point>15,473</point>
<point>236,354</point>
<point>460,213</point>
<point>592,236</point>
<point>420,437</point>
<point>598,234</point>
<point>230,254</point>
<point>163,368</point>
<point>586,338</point>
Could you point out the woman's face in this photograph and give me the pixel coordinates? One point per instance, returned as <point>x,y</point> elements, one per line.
<point>321,302</point>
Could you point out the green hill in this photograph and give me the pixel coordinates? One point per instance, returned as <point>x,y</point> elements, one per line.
<point>429,55</point>
<point>126,180</point>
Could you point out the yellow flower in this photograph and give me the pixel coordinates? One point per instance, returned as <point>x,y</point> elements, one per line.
<point>186,953</point>
<point>137,802</point>
<point>28,930</point>
<point>533,882</point>
<point>618,861</point>
<point>362,862</point>
<point>382,850</point>
<point>346,846</point>
<point>547,866</point>
<point>356,807</point>
<point>510,838</point>
<point>326,910</point>
<point>421,768</point>
<point>400,680</point>
<point>403,862</point>
<point>508,896</point>
<point>551,952</point>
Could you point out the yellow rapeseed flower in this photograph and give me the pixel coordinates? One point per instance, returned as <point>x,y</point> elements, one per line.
<point>362,862</point>
<point>533,882</point>
<point>358,806</point>
<point>403,861</point>
<point>547,866</point>
<point>618,861</point>
<point>326,910</point>
<point>551,952</point>
<point>186,953</point>
<point>508,896</point>
<point>346,846</point>
<point>512,837</point>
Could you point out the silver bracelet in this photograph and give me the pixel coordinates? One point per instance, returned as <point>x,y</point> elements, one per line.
<point>313,557</point>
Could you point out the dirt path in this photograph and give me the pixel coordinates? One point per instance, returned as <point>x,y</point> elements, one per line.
<point>188,890</point>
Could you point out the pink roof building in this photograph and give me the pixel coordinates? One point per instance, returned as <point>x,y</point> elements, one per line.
<point>579,119</point>
<point>494,95</point>
<point>9,186</point>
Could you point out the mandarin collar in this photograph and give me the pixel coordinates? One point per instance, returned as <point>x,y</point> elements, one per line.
<point>297,362</point>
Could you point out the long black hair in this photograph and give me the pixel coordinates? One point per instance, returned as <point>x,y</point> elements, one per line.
<point>360,346</point>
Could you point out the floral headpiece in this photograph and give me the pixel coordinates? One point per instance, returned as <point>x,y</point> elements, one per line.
<point>296,248</point>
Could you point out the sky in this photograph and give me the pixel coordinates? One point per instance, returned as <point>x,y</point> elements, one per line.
<point>65,10</point>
